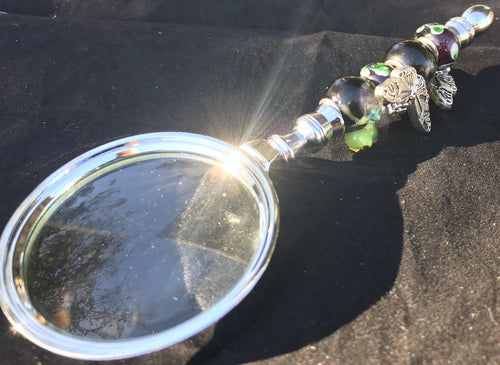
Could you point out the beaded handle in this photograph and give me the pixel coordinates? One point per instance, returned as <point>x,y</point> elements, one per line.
<point>413,72</point>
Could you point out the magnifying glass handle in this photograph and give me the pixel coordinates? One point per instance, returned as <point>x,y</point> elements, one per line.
<point>312,131</point>
<point>414,72</point>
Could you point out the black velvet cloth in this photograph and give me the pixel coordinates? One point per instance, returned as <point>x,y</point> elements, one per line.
<point>388,256</point>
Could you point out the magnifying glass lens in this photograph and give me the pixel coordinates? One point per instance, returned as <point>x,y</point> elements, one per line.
<point>142,248</point>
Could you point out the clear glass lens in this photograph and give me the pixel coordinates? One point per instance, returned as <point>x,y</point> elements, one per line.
<point>142,248</point>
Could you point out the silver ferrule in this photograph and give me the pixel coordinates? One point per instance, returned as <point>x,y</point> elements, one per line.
<point>288,145</point>
<point>462,30</point>
<point>312,131</point>
<point>331,113</point>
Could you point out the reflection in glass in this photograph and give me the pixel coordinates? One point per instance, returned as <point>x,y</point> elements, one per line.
<point>142,248</point>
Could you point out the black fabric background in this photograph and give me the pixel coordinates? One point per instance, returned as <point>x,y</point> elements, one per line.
<point>388,256</point>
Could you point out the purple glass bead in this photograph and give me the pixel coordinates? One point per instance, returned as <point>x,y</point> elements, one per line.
<point>444,40</point>
<point>354,96</point>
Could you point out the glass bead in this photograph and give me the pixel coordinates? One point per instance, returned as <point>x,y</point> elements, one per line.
<point>479,16</point>
<point>354,96</point>
<point>444,40</point>
<point>376,72</point>
<point>415,54</point>
<point>361,139</point>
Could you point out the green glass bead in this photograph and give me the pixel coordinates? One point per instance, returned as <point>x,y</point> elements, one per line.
<point>361,139</point>
<point>373,131</point>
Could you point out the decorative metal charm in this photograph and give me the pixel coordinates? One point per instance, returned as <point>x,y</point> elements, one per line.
<point>404,91</point>
<point>397,89</point>
<point>442,89</point>
<point>418,111</point>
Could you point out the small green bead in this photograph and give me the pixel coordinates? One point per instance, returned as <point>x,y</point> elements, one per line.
<point>360,139</point>
<point>373,131</point>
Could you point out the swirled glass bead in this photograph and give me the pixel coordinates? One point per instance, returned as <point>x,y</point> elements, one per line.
<point>360,110</point>
<point>354,96</point>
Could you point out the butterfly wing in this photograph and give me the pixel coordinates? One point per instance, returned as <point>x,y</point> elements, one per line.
<point>442,89</point>
<point>418,110</point>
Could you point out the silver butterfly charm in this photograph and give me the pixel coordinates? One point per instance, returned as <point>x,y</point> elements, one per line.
<point>418,111</point>
<point>404,91</point>
<point>442,89</point>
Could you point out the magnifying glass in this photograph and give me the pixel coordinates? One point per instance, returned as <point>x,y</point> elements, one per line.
<point>137,245</point>
<point>143,242</point>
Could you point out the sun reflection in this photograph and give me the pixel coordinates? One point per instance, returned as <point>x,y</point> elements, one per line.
<point>13,329</point>
<point>129,152</point>
<point>257,105</point>
<point>232,164</point>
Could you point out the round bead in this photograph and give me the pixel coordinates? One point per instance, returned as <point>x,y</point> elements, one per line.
<point>415,54</point>
<point>446,44</point>
<point>354,96</point>
<point>376,72</point>
<point>480,16</point>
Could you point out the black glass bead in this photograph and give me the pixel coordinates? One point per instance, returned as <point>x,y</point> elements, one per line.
<point>354,96</point>
<point>416,54</point>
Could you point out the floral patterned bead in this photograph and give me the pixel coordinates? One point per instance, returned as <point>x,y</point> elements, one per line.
<point>444,40</point>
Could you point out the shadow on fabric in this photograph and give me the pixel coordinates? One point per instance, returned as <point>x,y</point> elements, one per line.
<point>341,234</point>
